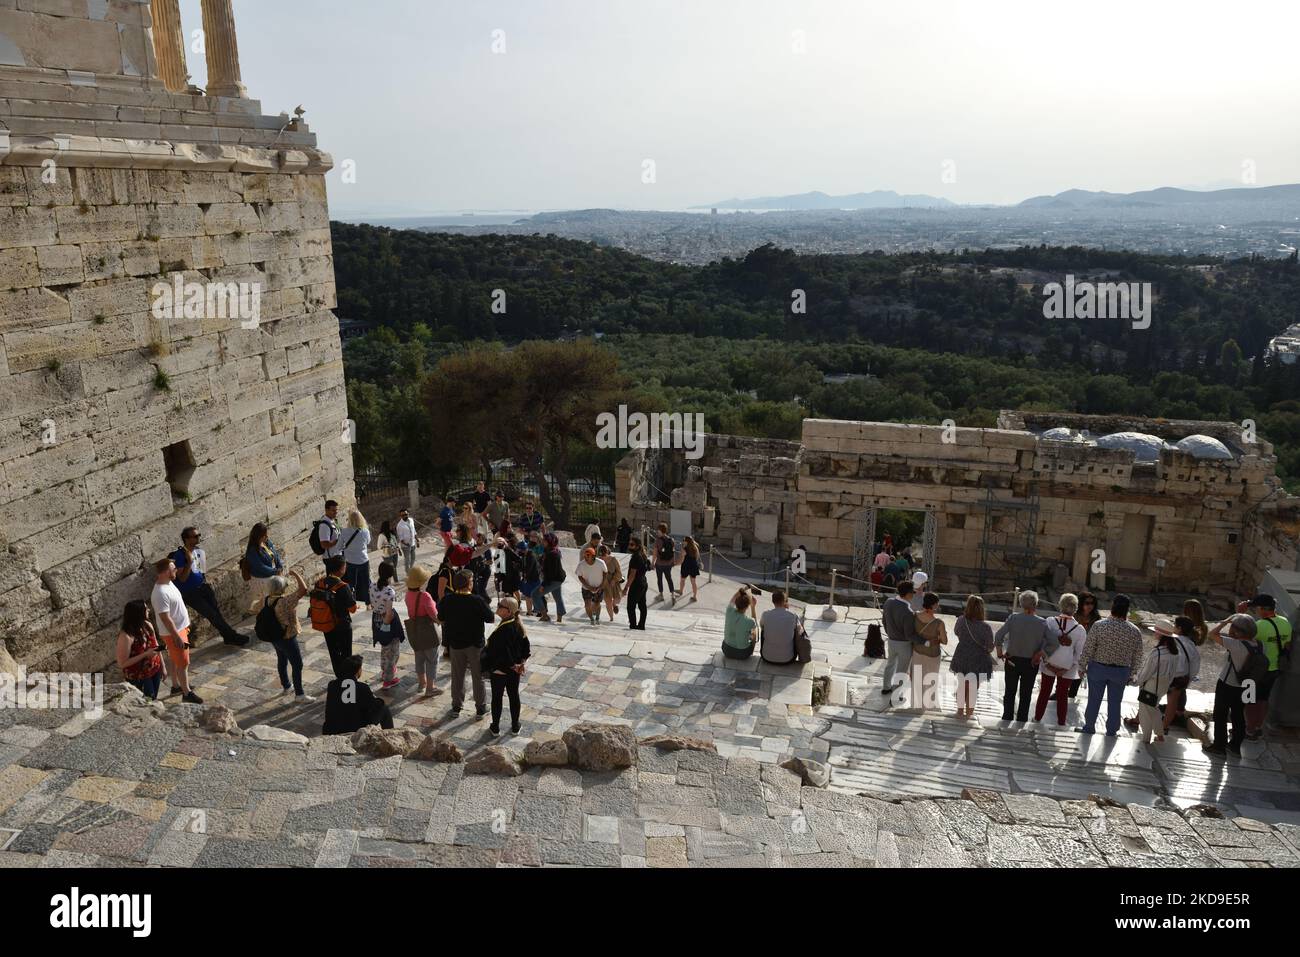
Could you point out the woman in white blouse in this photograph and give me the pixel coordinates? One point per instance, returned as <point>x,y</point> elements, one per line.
<point>1165,662</point>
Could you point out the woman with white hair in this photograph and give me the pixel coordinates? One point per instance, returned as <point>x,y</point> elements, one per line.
<point>277,625</point>
<point>355,539</point>
<point>1059,670</point>
<point>1244,664</point>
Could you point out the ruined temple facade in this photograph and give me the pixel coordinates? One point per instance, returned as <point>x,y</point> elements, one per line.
<point>1003,506</point>
<point>122,422</point>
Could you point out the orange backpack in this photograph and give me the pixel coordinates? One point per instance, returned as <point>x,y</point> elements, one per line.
<point>321,605</point>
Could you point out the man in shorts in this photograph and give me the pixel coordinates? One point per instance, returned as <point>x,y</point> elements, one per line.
<point>174,626</point>
<point>591,574</point>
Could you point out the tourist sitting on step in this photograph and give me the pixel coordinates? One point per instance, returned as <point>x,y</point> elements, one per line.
<point>1022,643</point>
<point>191,568</point>
<point>779,631</point>
<point>740,632</point>
<point>350,705</point>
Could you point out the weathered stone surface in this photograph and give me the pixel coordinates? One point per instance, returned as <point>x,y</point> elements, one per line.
<point>601,747</point>
<point>678,742</point>
<point>380,743</point>
<point>438,748</point>
<point>264,732</point>
<point>812,773</point>
<point>552,752</point>
<point>495,760</point>
<point>218,719</point>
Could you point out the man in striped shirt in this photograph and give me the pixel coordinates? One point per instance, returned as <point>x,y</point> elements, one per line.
<point>1111,656</point>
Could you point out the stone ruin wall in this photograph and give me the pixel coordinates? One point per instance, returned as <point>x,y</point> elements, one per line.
<point>1216,524</point>
<point>147,182</point>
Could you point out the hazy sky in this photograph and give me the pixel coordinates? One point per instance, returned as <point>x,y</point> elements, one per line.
<point>1020,98</point>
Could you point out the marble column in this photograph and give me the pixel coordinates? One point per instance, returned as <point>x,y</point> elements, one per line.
<point>169,45</point>
<point>222,49</point>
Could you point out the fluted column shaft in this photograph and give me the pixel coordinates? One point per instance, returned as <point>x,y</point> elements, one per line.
<point>169,44</point>
<point>222,49</point>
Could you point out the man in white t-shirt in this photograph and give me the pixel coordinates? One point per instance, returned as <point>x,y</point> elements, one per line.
<point>407,539</point>
<point>919,579</point>
<point>591,573</point>
<point>327,530</point>
<point>173,627</point>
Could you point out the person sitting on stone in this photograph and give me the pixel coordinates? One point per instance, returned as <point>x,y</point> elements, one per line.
<point>778,628</point>
<point>350,705</point>
<point>191,569</point>
<point>741,629</point>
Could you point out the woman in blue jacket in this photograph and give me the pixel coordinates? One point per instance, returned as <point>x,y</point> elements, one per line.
<point>262,561</point>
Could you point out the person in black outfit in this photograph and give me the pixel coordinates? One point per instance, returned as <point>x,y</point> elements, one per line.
<point>622,535</point>
<point>638,583</point>
<point>350,705</point>
<point>503,659</point>
<point>343,604</point>
<point>463,615</point>
<point>481,498</point>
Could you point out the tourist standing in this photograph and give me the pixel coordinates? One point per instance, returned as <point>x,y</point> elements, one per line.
<point>174,623</point>
<point>386,625</point>
<point>665,559</point>
<point>504,656</point>
<point>498,514</point>
<point>350,705</point>
<point>1185,635</point>
<point>463,615</point>
<point>638,585</point>
<point>1060,669</point>
<point>447,521</point>
<point>530,575</point>
<point>279,627</point>
<point>408,539</point>
<point>622,536</point>
<point>613,580</point>
<point>900,630</point>
<point>691,567</point>
<point>592,573</point>
<point>1087,616</point>
<point>326,532</point>
<point>553,576</point>
<point>1274,633</point>
<point>1246,661</point>
<point>386,543</point>
<point>1161,666</point>
<point>972,659</point>
<point>933,634</point>
<point>331,606</point>
<point>740,630</point>
<point>919,580</point>
<point>138,652</point>
<point>191,567</point>
<point>1021,643</point>
<point>356,553</point>
<point>531,521</point>
<point>1112,654</point>
<point>422,628</point>
<point>262,561</point>
<point>481,498</point>
<point>1196,612</point>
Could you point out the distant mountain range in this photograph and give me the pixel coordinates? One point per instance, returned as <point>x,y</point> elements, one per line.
<point>1074,199</point>
<point>876,199</point>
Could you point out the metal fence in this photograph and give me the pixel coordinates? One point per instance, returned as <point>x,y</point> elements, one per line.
<point>591,494</point>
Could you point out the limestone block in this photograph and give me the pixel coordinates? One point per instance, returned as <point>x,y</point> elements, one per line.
<point>60,265</point>
<point>52,506</point>
<point>32,309</point>
<point>111,299</point>
<point>27,227</point>
<point>144,507</point>
<point>18,268</point>
<point>62,42</point>
<point>46,466</point>
<point>87,574</point>
<point>117,481</point>
<point>97,224</point>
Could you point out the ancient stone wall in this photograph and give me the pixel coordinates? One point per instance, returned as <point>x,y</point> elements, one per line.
<point>110,185</point>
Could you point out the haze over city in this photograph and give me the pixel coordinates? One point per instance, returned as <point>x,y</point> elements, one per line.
<point>962,101</point>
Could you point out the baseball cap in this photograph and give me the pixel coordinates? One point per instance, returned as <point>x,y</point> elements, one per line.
<point>1263,600</point>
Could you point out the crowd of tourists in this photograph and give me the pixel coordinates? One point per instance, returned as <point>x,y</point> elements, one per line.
<point>1046,658</point>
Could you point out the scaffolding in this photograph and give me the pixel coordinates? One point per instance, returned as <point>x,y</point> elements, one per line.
<point>1010,548</point>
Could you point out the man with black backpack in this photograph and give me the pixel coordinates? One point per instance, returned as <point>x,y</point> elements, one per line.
<point>1239,681</point>
<point>324,537</point>
<point>331,607</point>
<point>665,558</point>
<point>1274,633</point>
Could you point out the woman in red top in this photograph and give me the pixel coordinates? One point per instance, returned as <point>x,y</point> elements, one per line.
<point>422,628</point>
<point>138,653</point>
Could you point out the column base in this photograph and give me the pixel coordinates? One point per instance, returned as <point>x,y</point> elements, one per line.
<point>235,91</point>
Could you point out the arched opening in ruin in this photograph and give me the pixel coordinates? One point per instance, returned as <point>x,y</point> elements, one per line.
<point>875,521</point>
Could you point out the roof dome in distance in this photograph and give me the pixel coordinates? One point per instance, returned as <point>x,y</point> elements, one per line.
<point>1062,434</point>
<point>1145,448</point>
<point>1204,447</point>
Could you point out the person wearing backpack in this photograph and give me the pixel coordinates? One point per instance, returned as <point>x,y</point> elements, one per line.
<point>1245,668</point>
<point>386,625</point>
<point>355,542</point>
<point>277,625</point>
<point>665,558</point>
<point>1059,669</point>
<point>1274,633</point>
<point>422,628</point>
<point>324,538</point>
<point>1163,663</point>
<point>553,576</point>
<point>1187,634</point>
<point>331,606</point>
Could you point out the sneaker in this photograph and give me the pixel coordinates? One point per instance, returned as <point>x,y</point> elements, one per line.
<point>1082,730</point>
<point>493,729</point>
<point>1255,735</point>
<point>559,620</point>
<point>1234,749</point>
<point>886,691</point>
<point>304,698</point>
<point>285,692</point>
<point>480,713</point>
<point>1214,749</point>
<point>174,692</point>
<point>390,684</point>
<point>191,698</point>
<point>454,713</point>
<point>237,640</point>
<point>514,728</point>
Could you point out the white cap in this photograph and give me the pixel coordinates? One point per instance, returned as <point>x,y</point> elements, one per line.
<point>920,578</point>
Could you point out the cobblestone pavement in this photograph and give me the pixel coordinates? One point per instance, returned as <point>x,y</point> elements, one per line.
<point>143,791</point>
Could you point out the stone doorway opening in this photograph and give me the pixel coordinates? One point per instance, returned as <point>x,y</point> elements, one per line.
<point>877,520</point>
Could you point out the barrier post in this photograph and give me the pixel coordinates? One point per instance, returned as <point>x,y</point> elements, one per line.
<point>710,564</point>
